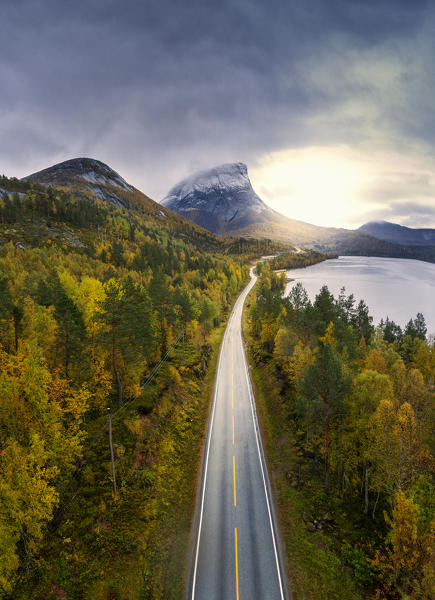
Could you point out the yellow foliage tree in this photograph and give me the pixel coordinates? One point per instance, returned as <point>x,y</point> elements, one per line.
<point>375,362</point>
<point>395,448</point>
<point>302,358</point>
<point>405,567</point>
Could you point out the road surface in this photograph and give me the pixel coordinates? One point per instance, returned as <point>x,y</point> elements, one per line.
<point>236,552</point>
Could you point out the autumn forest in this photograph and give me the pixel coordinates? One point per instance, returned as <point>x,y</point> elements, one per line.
<point>349,411</point>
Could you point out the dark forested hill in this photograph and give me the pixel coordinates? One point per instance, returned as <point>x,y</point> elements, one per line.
<point>398,234</point>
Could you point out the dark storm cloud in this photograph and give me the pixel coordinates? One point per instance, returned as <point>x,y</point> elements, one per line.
<point>159,88</point>
<point>395,187</point>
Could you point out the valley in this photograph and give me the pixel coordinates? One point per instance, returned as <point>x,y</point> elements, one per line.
<point>217,285</point>
<point>84,258</point>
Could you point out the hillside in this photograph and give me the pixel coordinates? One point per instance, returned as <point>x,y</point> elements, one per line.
<point>223,200</point>
<point>357,243</point>
<point>104,306</point>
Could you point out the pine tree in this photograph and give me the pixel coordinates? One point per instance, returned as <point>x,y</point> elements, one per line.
<point>128,325</point>
<point>324,388</point>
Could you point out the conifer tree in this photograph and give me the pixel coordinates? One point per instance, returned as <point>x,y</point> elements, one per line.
<point>324,387</point>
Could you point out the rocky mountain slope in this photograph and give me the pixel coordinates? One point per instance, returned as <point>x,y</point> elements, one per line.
<point>398,234</point>
<point>88,175</point>
<point>223,200</point>
<point>94,178</point>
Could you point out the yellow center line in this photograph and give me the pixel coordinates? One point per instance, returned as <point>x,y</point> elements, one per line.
<point>234,477</point>
<point>233,430</point>
<point>237,566</point>
<point>232,375</point>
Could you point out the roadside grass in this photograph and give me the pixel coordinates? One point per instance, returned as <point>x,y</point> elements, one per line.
<point>315,568</point>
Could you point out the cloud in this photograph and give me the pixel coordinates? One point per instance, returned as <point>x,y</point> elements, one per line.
<point>158,89</point>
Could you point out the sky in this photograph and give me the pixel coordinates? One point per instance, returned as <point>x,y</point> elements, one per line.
<point>330,103</point>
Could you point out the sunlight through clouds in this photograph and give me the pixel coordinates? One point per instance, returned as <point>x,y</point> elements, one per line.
<point>341,187</point>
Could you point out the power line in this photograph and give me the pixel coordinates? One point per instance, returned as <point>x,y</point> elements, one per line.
<point>99,434</point>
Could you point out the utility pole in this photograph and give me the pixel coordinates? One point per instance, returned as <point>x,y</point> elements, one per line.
<point>111,449</point>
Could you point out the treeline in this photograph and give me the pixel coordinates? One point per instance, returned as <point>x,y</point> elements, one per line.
<point>360,401</point>
<point>51,204</point>
<point>296,260</point>
<point>82,329</point>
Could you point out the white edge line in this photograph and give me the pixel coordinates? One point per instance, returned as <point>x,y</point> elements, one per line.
<point>262,473</point>
<point>210,431</point>
<point>265,490</point>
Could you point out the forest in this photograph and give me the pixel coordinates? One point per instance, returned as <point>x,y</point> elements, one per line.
<point>297,260</point>
<point>350,416</point>
<point>103,307</point>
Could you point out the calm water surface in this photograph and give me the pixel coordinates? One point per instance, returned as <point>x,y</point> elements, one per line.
<point>393,287</point>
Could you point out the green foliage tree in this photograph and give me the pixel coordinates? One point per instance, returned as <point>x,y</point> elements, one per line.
<point>324,388</point>
<point>71,329</point>
<point>416,328</point>
<point>128,325</point>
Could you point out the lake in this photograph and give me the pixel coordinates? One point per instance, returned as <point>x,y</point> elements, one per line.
<point>393,287</point>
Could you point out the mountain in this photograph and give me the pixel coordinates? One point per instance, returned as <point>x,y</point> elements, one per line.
<point>223,200</point>
<point>90,178</point>
<point>220,199</point>
<point>398,234</point>
<point>93,177</point>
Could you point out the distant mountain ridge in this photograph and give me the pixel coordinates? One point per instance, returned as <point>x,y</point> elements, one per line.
<point>398,234</point>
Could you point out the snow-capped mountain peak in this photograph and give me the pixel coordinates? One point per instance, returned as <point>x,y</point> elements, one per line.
<point>217,197</point>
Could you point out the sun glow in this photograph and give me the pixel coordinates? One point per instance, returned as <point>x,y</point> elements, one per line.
<point>320,185</point>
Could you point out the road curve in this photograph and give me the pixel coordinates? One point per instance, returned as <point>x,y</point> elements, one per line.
<point>236,552</point>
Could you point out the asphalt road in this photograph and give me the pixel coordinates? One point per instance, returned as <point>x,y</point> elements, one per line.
<point>236,551</point>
